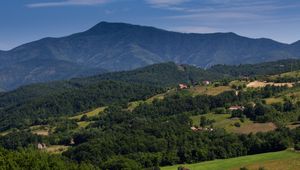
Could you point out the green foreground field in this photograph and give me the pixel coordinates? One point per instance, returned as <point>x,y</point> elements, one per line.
<point>283,160</point>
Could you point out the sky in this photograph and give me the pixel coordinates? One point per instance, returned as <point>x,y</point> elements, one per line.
<point>23,21</point>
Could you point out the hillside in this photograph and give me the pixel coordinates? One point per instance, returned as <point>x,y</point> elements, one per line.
<point>77,95</point>
<point>284,160</point>
<point>260,69</point>
<point>120,46</point>
<point>145,121</point>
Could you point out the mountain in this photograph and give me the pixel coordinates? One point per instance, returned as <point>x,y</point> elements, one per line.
<point>120,46</point>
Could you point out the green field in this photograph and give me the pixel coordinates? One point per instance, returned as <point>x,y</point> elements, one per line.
<point>287,74</point>
<point>208,90</point>
<point>91,113</point>
<point>288,160</point>
<point>222,121</point>
<point>133,105</point>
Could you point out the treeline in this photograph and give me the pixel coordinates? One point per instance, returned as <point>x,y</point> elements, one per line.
<point>33,159</point>
<point>261,69</point>
<point>164,75</point>
<point>20,109</point>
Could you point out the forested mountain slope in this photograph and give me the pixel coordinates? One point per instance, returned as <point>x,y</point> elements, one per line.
<point>120,46</point>
<point>69,97</point>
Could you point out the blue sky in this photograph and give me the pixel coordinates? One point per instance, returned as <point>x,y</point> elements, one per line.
<point>23,21</point>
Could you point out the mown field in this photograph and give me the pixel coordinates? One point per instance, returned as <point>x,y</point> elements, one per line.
<point>91,113</point>
<point>225,121</point>
<point>283,160</point>
<point>208,90</point>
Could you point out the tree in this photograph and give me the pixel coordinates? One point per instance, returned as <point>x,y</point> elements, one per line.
<point>297,146</point>
<point>84,118</point>
<point>203,121</point>
<point>287,106</point>
<point>121,163</point>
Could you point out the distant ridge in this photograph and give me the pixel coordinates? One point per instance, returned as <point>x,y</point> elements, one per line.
<point>120,46</point>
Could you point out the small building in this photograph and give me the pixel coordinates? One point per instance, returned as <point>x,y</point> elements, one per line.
<point>183,86</point>
<point>206,82</point>
<point>41,146</point>
<point>236,108</point>
<point>72,141</point>
<point>193,128</point>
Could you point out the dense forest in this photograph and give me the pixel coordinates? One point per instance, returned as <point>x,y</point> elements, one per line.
<point>40,101</point>
<point>262,69</point>
<point>150,135</point>
<point>16,113</point>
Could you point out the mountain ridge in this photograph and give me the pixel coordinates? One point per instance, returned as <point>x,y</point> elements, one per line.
<point>121,46</point>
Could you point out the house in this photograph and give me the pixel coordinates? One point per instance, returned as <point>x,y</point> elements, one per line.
<point>193,128</point>
<point>183,86</point>
<point>236,108</point>
<point>72,141</point>
<point>41,146</point>
<point>206,82</point>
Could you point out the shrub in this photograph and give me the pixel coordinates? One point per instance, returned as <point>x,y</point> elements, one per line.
<point>297,147</point>
<point>84,118</point>
<point>237,124</point>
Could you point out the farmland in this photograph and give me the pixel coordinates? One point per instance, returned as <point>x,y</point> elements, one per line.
<point>283,160</point>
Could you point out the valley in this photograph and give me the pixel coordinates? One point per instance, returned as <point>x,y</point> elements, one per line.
<point>152,118</point>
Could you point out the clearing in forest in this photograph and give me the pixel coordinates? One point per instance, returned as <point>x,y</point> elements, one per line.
<point>258,84</point>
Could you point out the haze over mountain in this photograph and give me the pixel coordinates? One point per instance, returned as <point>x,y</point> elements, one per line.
<point>120,46</point>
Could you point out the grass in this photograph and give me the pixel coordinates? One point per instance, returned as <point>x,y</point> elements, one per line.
<point>210,116</point>
<point>254,128</point>
<point>92,113</point>
<point>133,105</point>
<point>42,130</point>
<point>259,84</point>
<point>287,75</point>
<point>225,121</point>
<point>56,149</point>
<point>288,160</point>
<point>5,132</point>
<point>84,124</point>
<point>272,100</point>
<point>208,90</point>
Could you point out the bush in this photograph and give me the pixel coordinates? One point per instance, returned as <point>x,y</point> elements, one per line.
<point>237,113</point>
<point>84,118</point>
<point>221,110</point>
<point>243,168</point>
<point>237,124</point>
<point>121,163</point>
<point>297,147</point>
<point>261,168</point>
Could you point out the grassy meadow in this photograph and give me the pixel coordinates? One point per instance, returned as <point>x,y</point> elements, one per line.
<point>283,160</point>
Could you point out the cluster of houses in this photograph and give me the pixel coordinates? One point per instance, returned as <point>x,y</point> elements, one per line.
<point>232,108</point>
<point>195,129</point>
<point>185,86</point>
